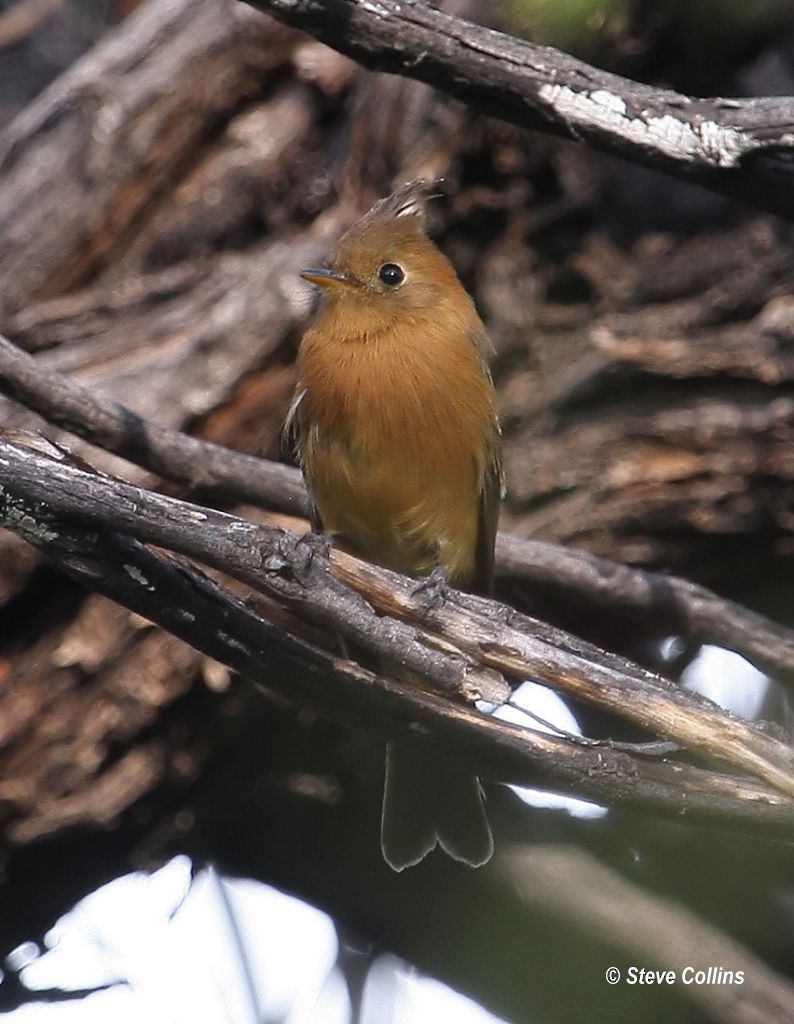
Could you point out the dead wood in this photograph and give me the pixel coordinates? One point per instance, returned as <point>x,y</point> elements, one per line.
<point>470,647</point>
<point>741,146</point>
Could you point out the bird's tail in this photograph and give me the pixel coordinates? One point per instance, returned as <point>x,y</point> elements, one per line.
<point>427,802</point>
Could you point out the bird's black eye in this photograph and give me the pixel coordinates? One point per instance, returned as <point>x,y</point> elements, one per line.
<point>391,275</point>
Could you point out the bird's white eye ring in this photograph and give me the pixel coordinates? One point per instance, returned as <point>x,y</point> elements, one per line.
<point>391,275</point>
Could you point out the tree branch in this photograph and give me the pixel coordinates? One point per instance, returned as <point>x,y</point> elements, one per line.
<point>673,604</point>
<point>742,147</point>
<point>169,453</point>
<point>573,885</point>
<point>469,645</point>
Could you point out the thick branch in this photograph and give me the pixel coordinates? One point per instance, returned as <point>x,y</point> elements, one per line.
<point>741,147</point>
<point>673,604</point>
<point>466,645</point>
<point>200,612</point>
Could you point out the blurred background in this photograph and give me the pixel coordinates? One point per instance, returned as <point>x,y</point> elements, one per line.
<point>176,846</point>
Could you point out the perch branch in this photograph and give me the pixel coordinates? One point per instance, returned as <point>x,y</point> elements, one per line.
<point>203,614</point>
<point>673,604</point>
<point>469,646</point>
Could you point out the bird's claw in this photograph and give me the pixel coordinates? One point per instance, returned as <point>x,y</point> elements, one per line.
<point>435,588</point>
<point>314,547</point>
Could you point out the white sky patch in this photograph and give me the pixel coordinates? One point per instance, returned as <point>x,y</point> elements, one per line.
<point>397,994</point>
<point>208,952</point>
<point>546,704</point>
<point>179,949</point>
<point>728,679</point>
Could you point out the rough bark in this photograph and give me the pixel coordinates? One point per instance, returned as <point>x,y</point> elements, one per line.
<point>740,146</point>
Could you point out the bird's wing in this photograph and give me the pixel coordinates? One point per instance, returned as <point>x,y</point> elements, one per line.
<point>493,489</point>
<point>291,437</point>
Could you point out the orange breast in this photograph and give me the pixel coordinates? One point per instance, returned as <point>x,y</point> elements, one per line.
<point>395,436</point>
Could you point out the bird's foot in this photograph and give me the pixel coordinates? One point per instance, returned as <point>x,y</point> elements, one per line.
<point>434,587</point>
<point>313,548</point>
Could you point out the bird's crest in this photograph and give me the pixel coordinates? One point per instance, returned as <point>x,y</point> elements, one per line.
<point>408,200</point>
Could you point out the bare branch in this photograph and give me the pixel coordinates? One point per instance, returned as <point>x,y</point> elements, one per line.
<point>673,604</point>
<point>573,885</point>
<point>200,612</point>
<point>468,645</point>
<point>742,147</point>
<point>169,453</point>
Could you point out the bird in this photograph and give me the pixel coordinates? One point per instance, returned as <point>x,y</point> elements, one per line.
<point>396,432</point>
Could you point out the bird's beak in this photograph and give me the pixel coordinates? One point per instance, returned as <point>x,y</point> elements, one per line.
<point>325,278</point>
